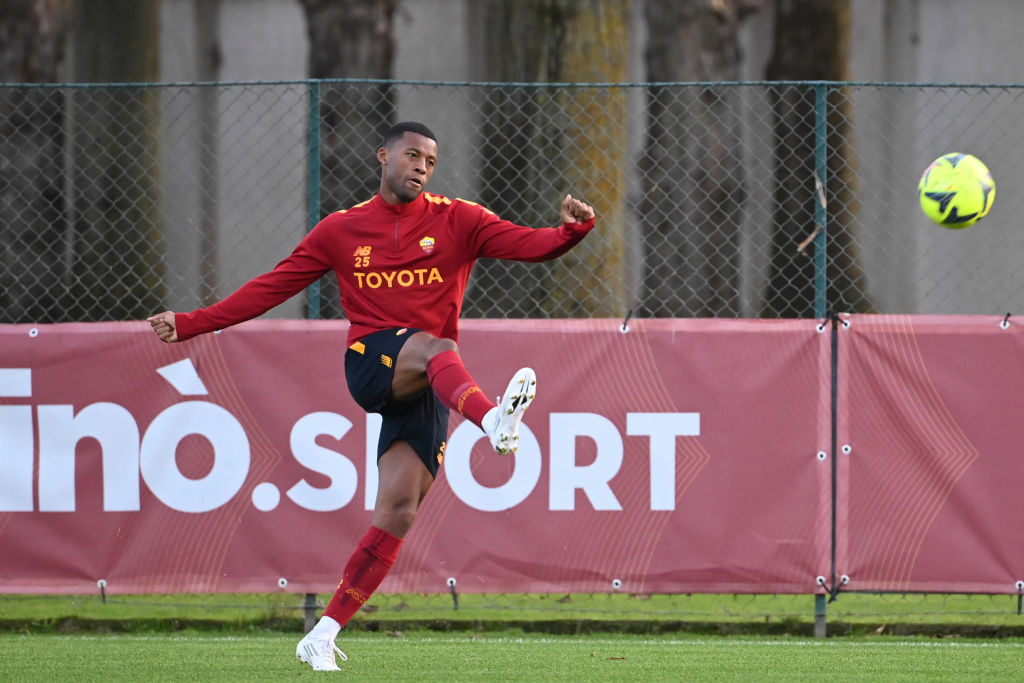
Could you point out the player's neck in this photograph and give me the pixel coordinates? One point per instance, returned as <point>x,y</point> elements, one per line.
<point>395,202</point>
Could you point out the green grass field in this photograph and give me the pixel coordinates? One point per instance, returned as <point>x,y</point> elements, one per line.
<point>425,655</point>
<point>597,637</point>
<point>768,615</point>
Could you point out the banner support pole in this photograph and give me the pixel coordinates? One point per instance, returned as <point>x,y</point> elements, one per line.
<point>309,611</point>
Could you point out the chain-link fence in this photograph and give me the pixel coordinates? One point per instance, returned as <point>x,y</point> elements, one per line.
<point>121,200</point>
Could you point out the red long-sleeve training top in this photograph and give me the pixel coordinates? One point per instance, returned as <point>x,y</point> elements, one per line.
<point>402,265</point>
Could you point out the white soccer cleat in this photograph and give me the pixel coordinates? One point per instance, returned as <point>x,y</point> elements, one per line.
<point>502,423</point>
<point>319,653</point>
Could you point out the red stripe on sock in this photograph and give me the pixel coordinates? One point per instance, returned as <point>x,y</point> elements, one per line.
<point>366,568</point>
<point>456,388</point>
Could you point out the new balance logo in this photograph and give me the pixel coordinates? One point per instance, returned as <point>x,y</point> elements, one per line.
<point>386,361</point>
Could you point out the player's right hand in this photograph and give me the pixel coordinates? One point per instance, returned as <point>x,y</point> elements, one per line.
<point>164,326</point>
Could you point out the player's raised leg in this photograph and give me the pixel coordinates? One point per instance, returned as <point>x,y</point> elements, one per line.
<point>426,361</point>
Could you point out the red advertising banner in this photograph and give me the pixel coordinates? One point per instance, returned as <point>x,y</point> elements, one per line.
<point>680,456</point>
<point>930,417</point>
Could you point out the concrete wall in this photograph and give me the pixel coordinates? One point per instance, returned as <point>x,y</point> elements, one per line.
<point>911,264</point>
<point>252,201</point>
<point>914,264</point>
<point>421,56</point>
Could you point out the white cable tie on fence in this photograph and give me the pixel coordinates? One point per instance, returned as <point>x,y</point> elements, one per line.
<point>102,585</point>
<point>1005,324</point>
<point>624,327</point>
<point>822,456</point>
<point>616,584</point>
<point>819,190</point>
<point>847,449</point>
<point>33,332</point>
<point>833,592</point>
<point>807,240</point>
<point>282,582</point>
<point>1020,585</point>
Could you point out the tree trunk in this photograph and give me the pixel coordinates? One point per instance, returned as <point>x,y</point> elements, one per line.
<point>349,39</point>
<point>541,144</point>
<point>117,244</point>
<point>693,179</point>
<point>32,207</point>
<point>812,42</point>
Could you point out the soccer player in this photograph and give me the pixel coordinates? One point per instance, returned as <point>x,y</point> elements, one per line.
<point>402,259</point>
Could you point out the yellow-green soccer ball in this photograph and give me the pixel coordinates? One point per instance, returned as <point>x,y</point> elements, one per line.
<point>956,190</point>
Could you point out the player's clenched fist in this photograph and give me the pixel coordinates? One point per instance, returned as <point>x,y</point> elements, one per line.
<point>575,211</point>
<point>163,325</point>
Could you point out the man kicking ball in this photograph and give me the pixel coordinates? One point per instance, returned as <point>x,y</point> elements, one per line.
<point>402,259</point>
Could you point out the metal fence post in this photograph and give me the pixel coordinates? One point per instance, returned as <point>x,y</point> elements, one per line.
<point>820,171</point>
<point>309,611</point>
<point>820,620</point>
<point>313,194</point>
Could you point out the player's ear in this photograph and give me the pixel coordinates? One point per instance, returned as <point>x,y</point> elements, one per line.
<point>382,155</point>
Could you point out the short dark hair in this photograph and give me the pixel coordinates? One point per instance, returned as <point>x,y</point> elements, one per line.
<point>399,129</point>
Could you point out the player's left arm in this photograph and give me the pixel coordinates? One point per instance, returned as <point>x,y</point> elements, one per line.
<point>502,239</point>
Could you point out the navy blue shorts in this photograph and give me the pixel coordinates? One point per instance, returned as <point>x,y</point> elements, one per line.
<point>422,422</point>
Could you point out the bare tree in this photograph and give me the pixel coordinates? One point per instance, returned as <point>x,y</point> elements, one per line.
<point>349,39</point>
<point>32,206</point>
<point>812,43</point>
<point>692,172</point>
<point>541,143</point>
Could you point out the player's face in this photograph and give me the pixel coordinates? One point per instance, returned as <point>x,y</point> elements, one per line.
<point>406,167</point>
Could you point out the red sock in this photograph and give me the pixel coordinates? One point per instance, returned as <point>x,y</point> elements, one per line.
<point>456,388</point>
<point>366,568</point>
